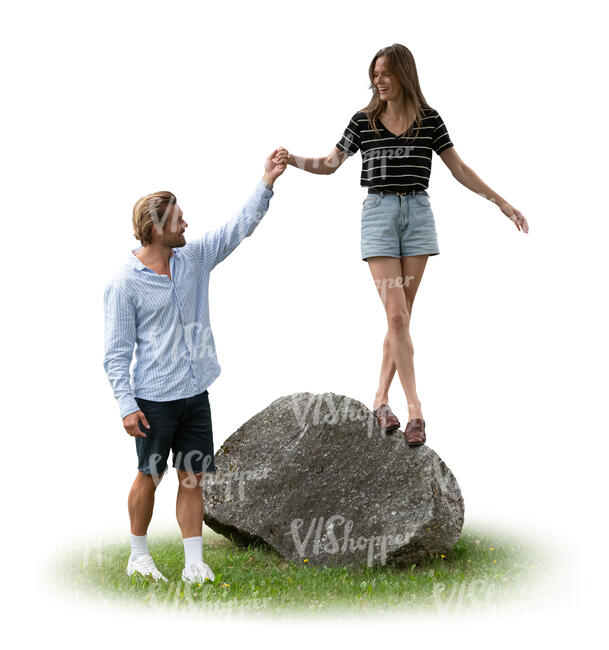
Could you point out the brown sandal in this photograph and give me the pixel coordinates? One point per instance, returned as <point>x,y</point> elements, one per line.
<point>386,418</point>
<point>414,433</point>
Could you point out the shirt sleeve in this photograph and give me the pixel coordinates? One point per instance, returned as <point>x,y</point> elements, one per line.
<point>119,335</point>
<point>350,142</point>
<point>441,140</point>
<point>216,245</point>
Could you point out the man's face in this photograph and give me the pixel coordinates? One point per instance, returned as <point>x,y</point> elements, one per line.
<point>173,231</point>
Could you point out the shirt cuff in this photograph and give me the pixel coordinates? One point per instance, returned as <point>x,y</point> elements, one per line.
<point>267,189</point>
<point>127,405</point>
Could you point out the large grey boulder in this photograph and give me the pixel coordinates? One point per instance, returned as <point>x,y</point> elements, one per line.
<point>314,477</point>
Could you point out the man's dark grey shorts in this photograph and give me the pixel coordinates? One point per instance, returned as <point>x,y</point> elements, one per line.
<point>182,425</point>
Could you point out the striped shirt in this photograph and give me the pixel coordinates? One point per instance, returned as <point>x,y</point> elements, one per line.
<point>167,319</point>
<point>395,164</point>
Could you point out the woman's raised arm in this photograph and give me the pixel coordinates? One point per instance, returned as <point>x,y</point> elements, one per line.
<point>325,165</point>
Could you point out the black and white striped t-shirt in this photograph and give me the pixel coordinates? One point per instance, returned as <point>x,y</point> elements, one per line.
<point>396,164</point>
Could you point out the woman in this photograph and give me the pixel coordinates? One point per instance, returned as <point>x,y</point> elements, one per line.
<point>396,134</point>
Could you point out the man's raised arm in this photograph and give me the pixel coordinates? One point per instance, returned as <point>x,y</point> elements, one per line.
<point>217,245</point>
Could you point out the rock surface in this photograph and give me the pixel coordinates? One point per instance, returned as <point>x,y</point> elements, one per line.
<point>314,477</point>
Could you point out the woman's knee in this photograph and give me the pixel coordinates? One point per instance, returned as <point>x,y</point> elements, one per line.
<point>398,319</point>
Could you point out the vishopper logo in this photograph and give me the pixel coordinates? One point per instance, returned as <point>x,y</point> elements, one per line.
<point>335,413</point>
<point>178,595</point>
<point>240,226</point>
<point>384,155</point>
<point>321,538</point>
<point>240,476</point>
<point>463,596</point>
<point>192,341</point>
<point>159,221</point>
<point>190,481</point>
<point>172,594</point>
<point>382,284</point>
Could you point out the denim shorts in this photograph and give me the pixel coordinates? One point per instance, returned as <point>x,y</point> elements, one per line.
<point>398,226</point>
<point>182,425</point>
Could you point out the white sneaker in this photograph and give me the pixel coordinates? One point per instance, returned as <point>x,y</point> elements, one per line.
<point>144,565</point>
<point>197,573</point>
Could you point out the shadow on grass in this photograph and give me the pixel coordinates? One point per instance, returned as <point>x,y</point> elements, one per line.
<point>483,570</point>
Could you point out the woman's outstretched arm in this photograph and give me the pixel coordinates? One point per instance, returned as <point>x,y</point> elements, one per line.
<point>325,165</point>
<point>468,177</point>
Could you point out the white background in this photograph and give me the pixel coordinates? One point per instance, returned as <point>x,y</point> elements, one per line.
<point>105,102</point>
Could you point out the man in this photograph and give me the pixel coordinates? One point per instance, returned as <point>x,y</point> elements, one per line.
<point>158,302</point>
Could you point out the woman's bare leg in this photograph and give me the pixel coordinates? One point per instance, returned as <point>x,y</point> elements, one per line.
<point>412,272</point>
<point>397,282</point>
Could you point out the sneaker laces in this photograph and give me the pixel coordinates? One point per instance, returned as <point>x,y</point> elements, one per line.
<point>148,563</point>
<point>201,570</point>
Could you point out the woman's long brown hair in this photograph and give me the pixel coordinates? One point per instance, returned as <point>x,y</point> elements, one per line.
<point>401,63</point>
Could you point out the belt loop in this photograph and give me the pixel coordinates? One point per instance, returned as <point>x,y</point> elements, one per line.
<point>381,193</point>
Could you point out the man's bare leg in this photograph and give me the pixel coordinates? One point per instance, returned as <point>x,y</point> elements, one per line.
<point>189,503</point>
<point>141,502</point>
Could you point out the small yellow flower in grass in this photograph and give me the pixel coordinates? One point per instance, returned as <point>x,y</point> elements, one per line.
<point>442,555</point>
<point>469,560</point>
<point>306,559</point>
<point>495,561</point>
<point>491,549</point>
<point>198,584</point>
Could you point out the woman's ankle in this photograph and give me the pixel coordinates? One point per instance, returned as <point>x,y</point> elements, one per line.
<point>380,399</point>
<point>414,411</point>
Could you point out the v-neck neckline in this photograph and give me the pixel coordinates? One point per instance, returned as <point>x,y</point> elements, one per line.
<point>392,133</point>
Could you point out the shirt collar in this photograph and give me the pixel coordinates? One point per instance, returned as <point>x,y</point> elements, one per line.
<point>137,264</point>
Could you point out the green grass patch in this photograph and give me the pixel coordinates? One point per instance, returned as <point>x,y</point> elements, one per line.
<point>482,569</point>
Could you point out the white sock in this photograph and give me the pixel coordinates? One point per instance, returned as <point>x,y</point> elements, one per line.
<point>193,550</point>
<point>138,546</point>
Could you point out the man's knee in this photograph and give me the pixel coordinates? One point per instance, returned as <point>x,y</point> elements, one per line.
<point>148,481</point>
<point>190,480</point>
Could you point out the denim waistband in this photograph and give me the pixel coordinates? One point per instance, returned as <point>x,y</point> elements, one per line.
<point>373,190</point>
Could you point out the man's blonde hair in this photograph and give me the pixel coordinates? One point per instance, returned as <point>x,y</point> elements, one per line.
<point>149,211</point>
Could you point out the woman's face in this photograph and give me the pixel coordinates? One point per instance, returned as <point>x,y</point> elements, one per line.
<point>385,81</point>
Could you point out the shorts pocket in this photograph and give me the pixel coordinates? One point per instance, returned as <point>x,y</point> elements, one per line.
<point>371,201</point>
<point>422,200</point>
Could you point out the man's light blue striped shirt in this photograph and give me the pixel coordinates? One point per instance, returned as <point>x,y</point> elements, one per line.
<point>167,320</point>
